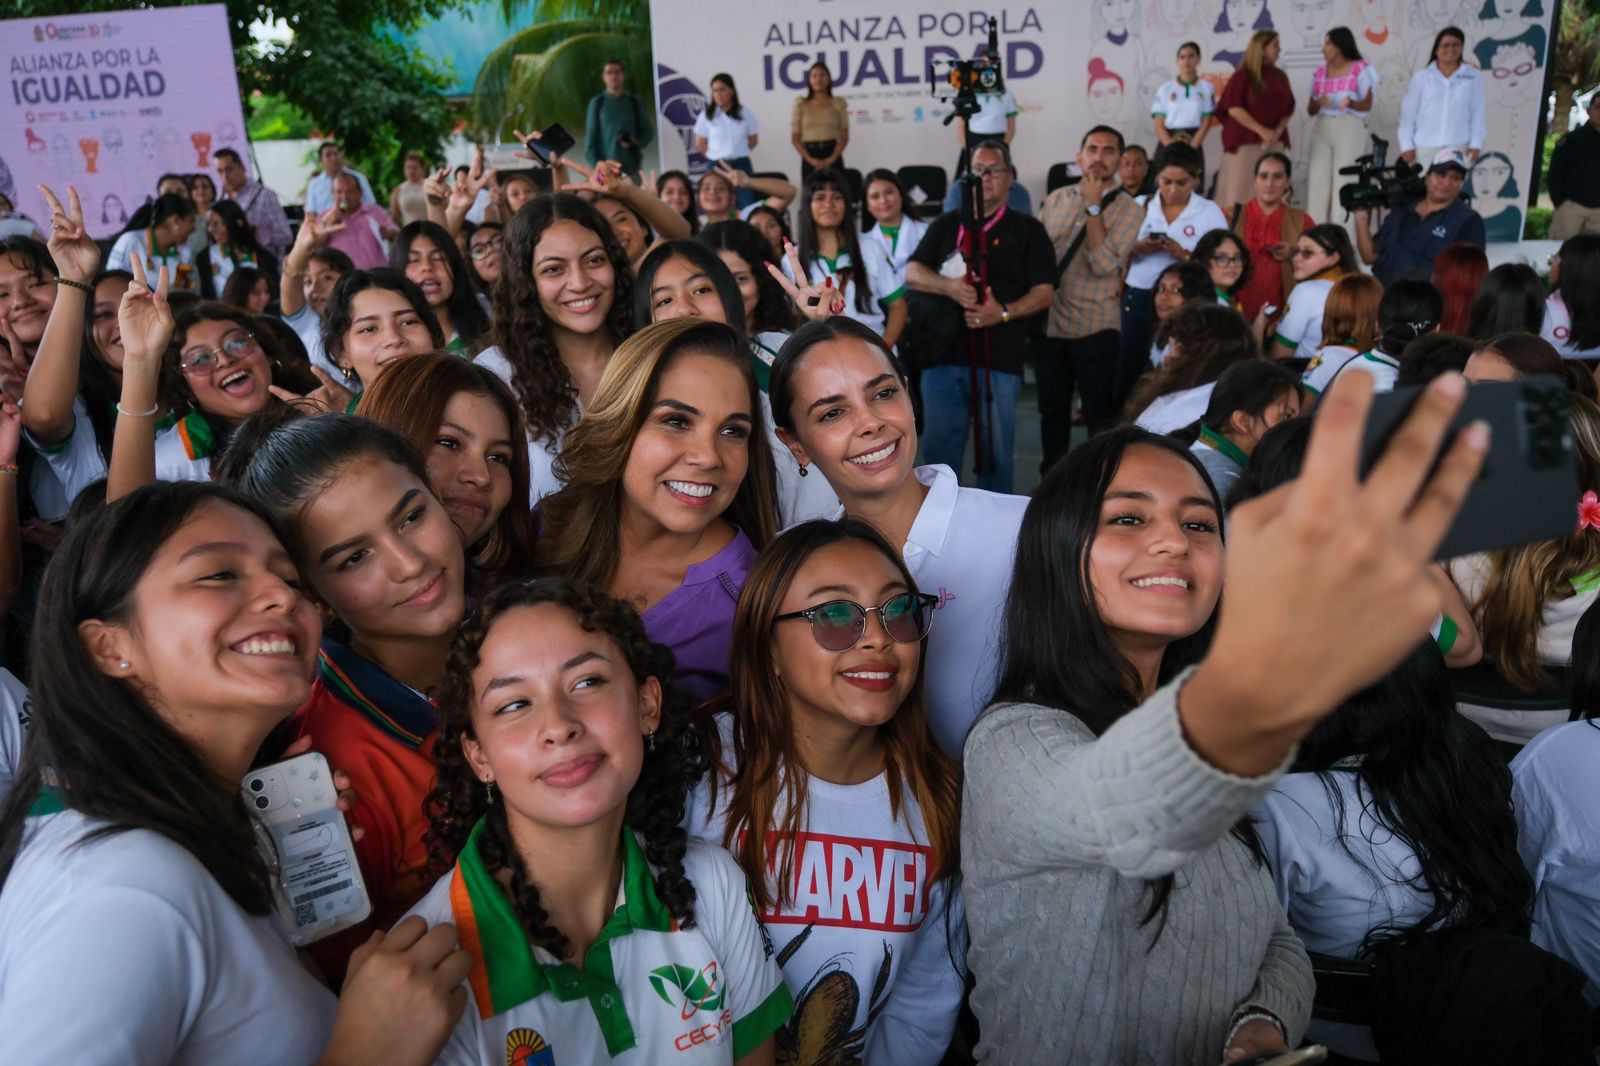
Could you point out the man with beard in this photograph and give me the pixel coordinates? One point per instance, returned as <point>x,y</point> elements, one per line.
<point>1092,225</point>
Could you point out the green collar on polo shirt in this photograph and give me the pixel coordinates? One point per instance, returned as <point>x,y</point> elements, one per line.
<point>505,971</point>
<point>1222,444</point>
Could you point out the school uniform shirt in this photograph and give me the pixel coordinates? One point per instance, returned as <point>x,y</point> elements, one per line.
<point>695,619</point>
<point>69,466</point>
<point>1176,409</point>
<point>1325,366</point>
<point>1200,216</point>
<point>993,110</point>
<point>1184,105</point>
<point>1221,457</point>
<point>895,246</point>
<point>1383,368</point>
<point>1555,795</point>
<point>879,273</point>
<point>961,547</point>
<point>542,480</point>
<point>1351,86</point>
<point>123,949</point>
<point>799,498</point>
<point>1301,325</point>
<point>1557,329</point>
<point>380,732</point>
<point>138,243</point>
<point>727,137</point>
<point>1560,620</point>
<point>16,716</point>
<point>184,449</point>
<point>865,939</point>
<point>307,325</point>
<point>649,991</point>
<point>223,266</point>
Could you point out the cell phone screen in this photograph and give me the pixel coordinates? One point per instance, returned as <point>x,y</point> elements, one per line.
<point>552,140</point>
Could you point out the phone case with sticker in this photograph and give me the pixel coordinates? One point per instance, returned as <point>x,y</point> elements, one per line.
<point>308,847</point>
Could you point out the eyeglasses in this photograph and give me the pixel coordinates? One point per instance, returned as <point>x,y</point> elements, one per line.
<point>1228,260</point>
<point>235,346</point>
<point>994,171</point>
<point>483,248</point>
<point>838,625</point>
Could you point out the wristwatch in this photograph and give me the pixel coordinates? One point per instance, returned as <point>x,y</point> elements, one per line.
<point>1093,210</point>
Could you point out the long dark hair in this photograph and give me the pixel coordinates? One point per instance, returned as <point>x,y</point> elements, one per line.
<point>704,260</point>
<point>690,216</point>
<point>1510,300</point>
<point>241,234</point>
<point>175,386</point>
<point>774,310</point>
<point>656,803</point>
<point>1247,388</point>
<point>1584,675</point>
<point>1448,31</point>
<point>1580,288</point>
<point>338,317</point>
<point>466,313</point>
<point>1334,239</point>
<point>107,752</point>
<point>156,211</point>
<point>1345,41</point>
<point>734,111</point>
<point>241,283</point>
<point>1051,605</point>
<point>1409,308</point>
<point>1208,339</point>
<point>829,178</point>
<point>780,385</point>
<point>1435,781</point>
<point>98,386</point>
<point>819,63</point>
<point>1207,247</point>
<point>521,330</point>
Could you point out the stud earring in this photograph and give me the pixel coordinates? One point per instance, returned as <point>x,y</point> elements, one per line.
<point>124,665</point>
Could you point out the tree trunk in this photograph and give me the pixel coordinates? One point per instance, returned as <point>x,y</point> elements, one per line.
<point>1564,88</point>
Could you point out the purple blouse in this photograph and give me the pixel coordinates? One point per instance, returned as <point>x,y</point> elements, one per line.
<point>695,619</point>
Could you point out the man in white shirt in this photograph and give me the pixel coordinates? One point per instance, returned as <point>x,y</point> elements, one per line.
<point>319,190</point>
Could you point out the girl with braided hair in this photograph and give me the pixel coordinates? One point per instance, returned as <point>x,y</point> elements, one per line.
<point>596,927</point>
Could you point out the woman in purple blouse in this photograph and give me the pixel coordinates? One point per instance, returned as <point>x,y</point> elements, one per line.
<point>669,490</point>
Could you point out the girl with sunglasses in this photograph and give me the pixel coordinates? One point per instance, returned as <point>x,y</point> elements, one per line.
<point>596,929</point>
<point>382,556</point>
<point>825,758</point>
<point>1322,255</point>
<point>669,490</point>
<point>840,400</point>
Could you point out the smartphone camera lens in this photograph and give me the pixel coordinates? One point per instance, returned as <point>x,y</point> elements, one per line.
<point>256,784</point>
<point>262,803</point>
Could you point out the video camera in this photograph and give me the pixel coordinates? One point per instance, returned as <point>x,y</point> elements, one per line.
<point>1377,185</point>
<point>958,82</point>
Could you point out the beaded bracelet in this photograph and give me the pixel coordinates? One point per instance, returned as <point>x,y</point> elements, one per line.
<point>75,284</point>
<point>8,469</point>
<point>154,409</point>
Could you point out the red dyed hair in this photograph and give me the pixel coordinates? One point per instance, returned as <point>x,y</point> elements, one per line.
<point>1457,273</point>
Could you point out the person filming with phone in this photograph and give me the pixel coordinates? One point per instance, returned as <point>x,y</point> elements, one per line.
<point>1411,238</point>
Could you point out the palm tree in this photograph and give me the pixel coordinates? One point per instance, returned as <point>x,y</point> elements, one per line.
<point>1577,56</point>
<point>547,72</point>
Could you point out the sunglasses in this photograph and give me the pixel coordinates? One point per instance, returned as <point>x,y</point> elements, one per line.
<point>838,625</point>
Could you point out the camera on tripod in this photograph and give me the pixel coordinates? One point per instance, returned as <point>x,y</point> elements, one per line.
<point>1378,185</point>
<point>958,82</point>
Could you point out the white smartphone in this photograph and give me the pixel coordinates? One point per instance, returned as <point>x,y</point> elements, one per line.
<point>318,881</point>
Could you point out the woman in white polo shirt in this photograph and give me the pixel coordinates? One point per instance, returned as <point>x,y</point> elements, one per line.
<point>1174,221</point>
<point>135,903</point>
<point>1572,311</point>
<point>840,402</point>
<point>1183,107</point>
<point>1322,255</point>
<point>596,930</point>
<point>727,131</point>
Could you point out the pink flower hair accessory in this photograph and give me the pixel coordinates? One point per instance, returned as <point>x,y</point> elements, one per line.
<point>1589,512</point>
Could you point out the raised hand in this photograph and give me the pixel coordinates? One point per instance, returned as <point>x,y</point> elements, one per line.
<point>10,429</point>
<point>647,182</point>
<point>816,302</point>
<point>76,255</point>
<point>331,396</point>
<point>736,177</point>
<point>315,231</point>
<point>14,362</point>
<point>437,186</point>
<point>605,179</point>
<point>144,317</point>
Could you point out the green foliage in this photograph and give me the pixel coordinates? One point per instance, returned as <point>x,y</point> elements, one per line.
<point>272,118</point>
<point>1537,224</point>
<point>633,12</point>
<point>548,73</point>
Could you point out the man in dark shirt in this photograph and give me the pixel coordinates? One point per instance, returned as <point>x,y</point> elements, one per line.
<point>974,349</point>
<point>1411,238</point>
<point>1574,189</point>
<point>617,126</point>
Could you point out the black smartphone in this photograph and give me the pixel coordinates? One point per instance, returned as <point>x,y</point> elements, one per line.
<point>552,140</point>
<point>1528,488</point>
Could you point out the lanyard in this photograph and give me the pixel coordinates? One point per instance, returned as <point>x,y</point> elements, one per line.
<point>962,235</point>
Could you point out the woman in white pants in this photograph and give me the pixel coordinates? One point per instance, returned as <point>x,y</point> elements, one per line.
<point>1341,96</point>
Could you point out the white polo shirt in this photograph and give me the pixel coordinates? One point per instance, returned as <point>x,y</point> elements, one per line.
<point>649,992</point>
<point>1183,106</point>
<point>993,110</point>
<point>1557,329</point>
<point>16,715</point>
<point>1383,369</point>
<point>68,468</point>
<point>184,450</point>
<point>880,280</point>
<point>1325,366</point>
<point>307,325</point>
<point>1200,216</point>
<point>1301,325</point>
<point>542,480</point>
<point>1176,409</point>
<point>127,942</point>
<point>1554,795</point>
<point>961,549</point>
<point>727,137</point>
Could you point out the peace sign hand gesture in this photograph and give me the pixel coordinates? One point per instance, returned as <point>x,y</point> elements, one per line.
<point>144,318</point>
<point>331,397</point>
<point>815,302</point>
<point>605,179</point>
<point>76,255</point>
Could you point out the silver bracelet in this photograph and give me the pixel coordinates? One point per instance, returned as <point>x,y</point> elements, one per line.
<point>154,410</point>
<point>1245,1018</point>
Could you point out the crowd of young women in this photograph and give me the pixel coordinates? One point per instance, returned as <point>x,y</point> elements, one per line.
<point>678,713</point>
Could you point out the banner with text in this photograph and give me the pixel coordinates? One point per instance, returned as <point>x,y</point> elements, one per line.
<point>109,102</point>
<point>1073,65</point>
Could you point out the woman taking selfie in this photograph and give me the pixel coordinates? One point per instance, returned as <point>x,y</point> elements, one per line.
<point>1105,864</point>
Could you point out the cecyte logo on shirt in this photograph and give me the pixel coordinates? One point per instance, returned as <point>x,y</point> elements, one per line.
<point>525,1047</point>
<point>691,990</point>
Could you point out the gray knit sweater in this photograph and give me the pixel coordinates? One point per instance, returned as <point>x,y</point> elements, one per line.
<point>1058,833</point>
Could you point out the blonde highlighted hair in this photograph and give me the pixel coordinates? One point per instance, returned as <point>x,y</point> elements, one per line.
<point>1255,58</point>
<point>1524,580</point>
<point>580,526</point>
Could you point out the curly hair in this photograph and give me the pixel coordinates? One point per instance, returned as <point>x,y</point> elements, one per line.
<point>1207,338</point>
<point>673,763</point>
<point>521,328</point>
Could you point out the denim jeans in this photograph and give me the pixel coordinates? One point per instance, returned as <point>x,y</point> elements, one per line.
<point>1090,364</point>
<point>946,399</point>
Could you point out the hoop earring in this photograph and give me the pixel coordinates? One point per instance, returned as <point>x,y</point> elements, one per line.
<point>804,470</point>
